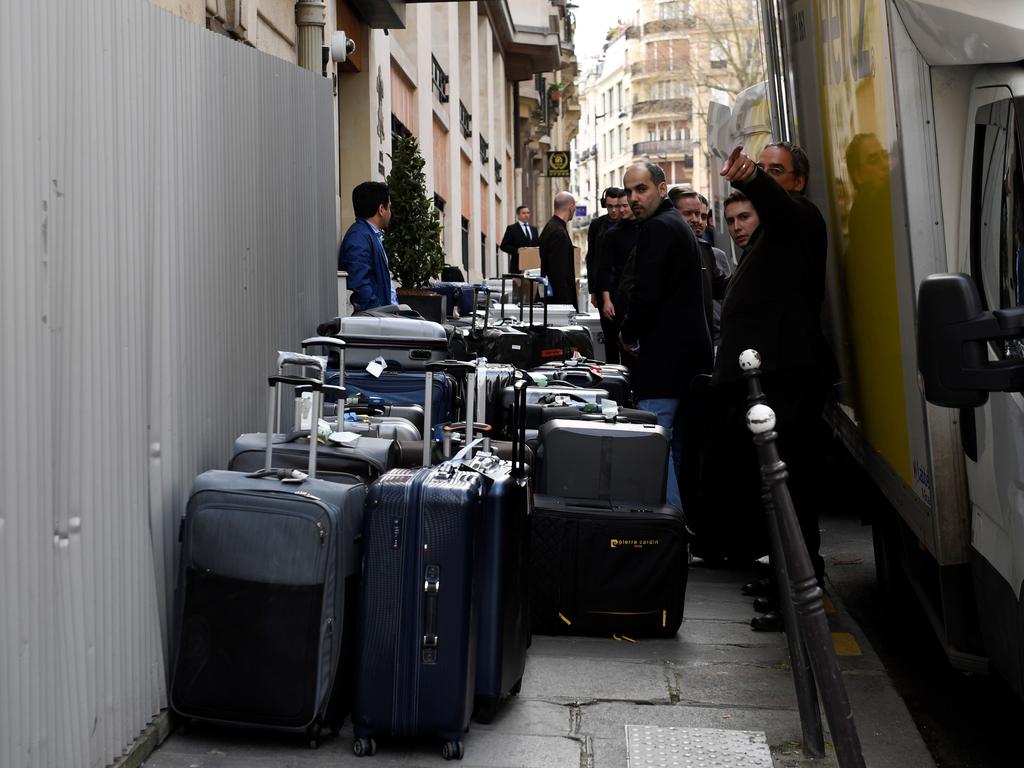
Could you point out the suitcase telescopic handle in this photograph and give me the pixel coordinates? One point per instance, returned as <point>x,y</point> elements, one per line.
<point>519,427</point>
<point>316,387</point>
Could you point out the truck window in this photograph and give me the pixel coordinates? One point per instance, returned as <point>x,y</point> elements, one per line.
<point>997,206</point>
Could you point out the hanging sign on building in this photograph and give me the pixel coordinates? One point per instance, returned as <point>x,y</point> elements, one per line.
<point>558,164</point>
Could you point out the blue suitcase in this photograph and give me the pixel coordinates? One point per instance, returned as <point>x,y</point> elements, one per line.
<point>265,599</point>
<point>402,388</point>
<point>460,295</point>
<point>416,642</point>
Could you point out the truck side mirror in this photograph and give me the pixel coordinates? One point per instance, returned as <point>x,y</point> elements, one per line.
<point>953,332</point>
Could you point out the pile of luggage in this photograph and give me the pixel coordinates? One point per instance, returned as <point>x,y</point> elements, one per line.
<point>309,582</point>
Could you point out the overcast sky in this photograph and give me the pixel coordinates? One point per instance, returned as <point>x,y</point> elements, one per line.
<point>593,20</point>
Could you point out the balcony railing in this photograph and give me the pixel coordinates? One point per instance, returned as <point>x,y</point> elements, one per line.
<point>497,171</point>
<point>661,147</point>
<point>674,107</point>
<point>438,80</point>
<point>661,26</point>
<point>465,120</point>
<point>484,150</point>
<point>644,68</point>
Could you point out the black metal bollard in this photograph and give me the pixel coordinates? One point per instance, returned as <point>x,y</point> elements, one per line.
<point>804,593</point>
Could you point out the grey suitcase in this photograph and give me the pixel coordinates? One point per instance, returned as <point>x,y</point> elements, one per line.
<point>403,342</point>
<point>602,461</point>
<point>265,597</point>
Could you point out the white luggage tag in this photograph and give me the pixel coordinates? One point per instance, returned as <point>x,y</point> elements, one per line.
<point>343,439</point>
<point>376,367</point>
<point>305,410</point>
<point>609,409</point>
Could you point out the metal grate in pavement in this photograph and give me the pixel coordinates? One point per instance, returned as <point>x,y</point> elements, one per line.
<point>648,746</point>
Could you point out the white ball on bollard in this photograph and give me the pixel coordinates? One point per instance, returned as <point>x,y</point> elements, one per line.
<point>750,359</point>
<point>760,419</point>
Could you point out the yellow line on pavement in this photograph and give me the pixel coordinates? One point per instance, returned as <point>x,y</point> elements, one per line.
<point>845,644</point>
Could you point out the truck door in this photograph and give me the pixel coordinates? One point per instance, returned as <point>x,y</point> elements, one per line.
<point>994,433</point>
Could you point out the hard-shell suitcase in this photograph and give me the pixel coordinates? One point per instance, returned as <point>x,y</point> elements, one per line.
<point>402,388</point>
<point>503,572</point>
<point>265,598</point>
<point>597,460</point>
<point>607,569</point>
<point>416,642</point>
<point>404,342</point>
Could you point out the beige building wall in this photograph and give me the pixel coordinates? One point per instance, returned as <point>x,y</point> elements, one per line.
<point>484,50</point>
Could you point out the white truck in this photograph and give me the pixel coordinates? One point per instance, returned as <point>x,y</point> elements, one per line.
<point>912,113</point>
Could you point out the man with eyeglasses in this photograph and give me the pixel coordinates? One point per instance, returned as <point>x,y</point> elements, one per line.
<point>715,266</point>
<point>773,304</point>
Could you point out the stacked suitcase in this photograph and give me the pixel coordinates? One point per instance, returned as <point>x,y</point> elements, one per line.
<point>285,577</point>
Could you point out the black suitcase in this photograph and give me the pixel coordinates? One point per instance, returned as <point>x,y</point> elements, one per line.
<point>607,569</point>
<point>265,598</point>
<point>416,643</point>
<point>615,379</point>
<point>598,460</point>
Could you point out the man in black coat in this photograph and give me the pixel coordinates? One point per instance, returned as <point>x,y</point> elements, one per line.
<point>773,305</point>
<point>521,234</point>
<point>557,257</point>
<point>664,327</point>
<point>617,245</point>
<point>595,235</point>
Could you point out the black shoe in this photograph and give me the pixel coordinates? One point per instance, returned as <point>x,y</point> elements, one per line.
<point>766,604</point>
<point>758,588</point>
<point>767,622</point>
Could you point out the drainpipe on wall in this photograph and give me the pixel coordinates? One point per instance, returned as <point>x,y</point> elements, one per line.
<point>310,16</point>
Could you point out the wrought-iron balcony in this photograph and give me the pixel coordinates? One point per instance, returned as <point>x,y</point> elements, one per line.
<point>465,120</point>
<point>661,147</point>
<point>438,80</point>
<point>650,68</point>
<point>663,107</point>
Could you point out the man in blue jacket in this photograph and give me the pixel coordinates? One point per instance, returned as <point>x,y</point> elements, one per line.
<point>362,249</point>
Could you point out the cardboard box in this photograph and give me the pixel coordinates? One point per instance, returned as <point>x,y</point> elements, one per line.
<point>529,258</point>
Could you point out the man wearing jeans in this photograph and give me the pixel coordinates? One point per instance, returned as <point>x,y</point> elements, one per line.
<point>665,327</point>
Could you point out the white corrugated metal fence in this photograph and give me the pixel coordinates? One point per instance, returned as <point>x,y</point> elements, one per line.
<point>166,223</point>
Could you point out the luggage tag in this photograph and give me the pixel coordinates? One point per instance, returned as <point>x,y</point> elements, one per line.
<point>376,367</point>
<point>609,408</point>
<point>343,439</point>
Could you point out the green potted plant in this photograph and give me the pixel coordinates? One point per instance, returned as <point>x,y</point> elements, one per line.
<point>555,91</point>
<point>413,238</point>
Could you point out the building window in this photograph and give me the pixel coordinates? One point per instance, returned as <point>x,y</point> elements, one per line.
<point>483,255</point>
<point>438,80</point>
<point>398,130</point>
<point>465,245</point>
<point>465,120</point>
<point>484,147</point>
<point>497,171</point>
<point>439,204</point>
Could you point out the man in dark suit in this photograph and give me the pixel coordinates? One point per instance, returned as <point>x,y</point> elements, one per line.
<point>522,234</point>
<point>595,234</point>
<point>664,326</point>
<point>557,256</point>
<point>362,249</point>
<point>773,305</point>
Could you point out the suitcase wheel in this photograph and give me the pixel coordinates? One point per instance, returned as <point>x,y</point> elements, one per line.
<point>364,747</point>
<point>452,750</point>
<point>486,711</point>
<point>315,733</point>
<point>517,687</point>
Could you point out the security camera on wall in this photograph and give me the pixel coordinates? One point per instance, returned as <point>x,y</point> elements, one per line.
<point>342,46</point>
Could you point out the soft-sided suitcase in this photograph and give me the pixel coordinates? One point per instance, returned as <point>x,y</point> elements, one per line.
<point>598,460</point>
<point>607,569</point>
<point>404,342</point>
<point>416,643</point>
<point>265,598</point>
<point>616,379</point>
<point>459,296</point>
<point>539,399</point>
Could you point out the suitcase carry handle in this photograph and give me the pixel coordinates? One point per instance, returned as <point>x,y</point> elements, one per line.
<point>329,343</point>
<point>275,388</point>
